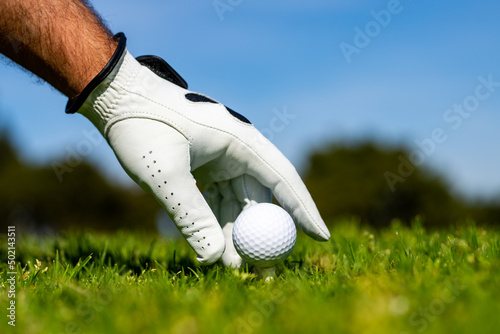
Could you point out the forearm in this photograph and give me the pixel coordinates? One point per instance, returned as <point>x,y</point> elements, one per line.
<point>61,41</point>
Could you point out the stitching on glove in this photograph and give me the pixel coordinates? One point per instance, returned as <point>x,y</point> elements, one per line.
<point>146,115</point>
<point>116,91</point>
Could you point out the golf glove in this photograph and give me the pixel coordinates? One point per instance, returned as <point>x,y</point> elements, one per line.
<point>167,137</point>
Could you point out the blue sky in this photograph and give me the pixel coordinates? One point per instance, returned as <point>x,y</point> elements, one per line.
<point>260,58</point>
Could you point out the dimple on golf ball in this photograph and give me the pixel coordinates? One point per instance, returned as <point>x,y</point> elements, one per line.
<point>264,234</point>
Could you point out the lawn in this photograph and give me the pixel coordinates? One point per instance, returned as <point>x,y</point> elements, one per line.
<point>396,280</point>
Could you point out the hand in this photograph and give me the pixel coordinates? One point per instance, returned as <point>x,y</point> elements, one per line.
<point>167,137</point>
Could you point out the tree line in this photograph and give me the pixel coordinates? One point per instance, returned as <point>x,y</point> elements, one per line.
<point>345,180</point>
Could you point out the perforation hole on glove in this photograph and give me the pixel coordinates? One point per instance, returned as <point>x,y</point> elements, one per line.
<point>159,171</point>
<point>149,162</point>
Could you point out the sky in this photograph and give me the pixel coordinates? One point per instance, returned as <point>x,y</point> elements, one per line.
<point>420,73</point>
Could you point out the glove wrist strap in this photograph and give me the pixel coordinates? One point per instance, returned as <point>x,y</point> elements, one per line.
<point>76,102</point>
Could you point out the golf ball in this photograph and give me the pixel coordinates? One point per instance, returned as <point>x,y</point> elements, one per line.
<point>264,234</point>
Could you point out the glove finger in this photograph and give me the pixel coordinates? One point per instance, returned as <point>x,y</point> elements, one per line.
<point>249,191</point>
<point>156,156</point>
<point>230,208</point>
<point>273,170</point>
<point>226,209</point>
<point>213,198</point>
<point>238,194</point>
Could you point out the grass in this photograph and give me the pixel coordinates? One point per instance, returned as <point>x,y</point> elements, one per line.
<point>397,280</point>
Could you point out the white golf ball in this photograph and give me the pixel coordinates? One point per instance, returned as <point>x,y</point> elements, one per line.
<point>264,234</point>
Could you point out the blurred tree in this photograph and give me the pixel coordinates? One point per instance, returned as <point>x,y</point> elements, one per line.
<point>486,210</point>
<point>355,180</point>
<point>344,180</point>
<point>34,197</point>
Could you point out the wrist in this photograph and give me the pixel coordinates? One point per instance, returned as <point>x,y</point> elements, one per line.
<point>76,102</point>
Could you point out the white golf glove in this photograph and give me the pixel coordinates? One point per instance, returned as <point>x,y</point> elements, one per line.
<point>167,137</point>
